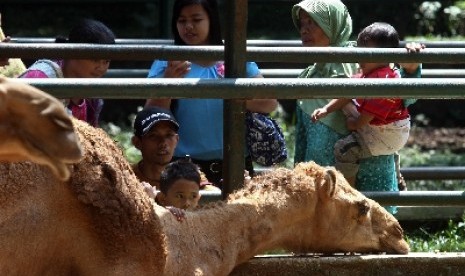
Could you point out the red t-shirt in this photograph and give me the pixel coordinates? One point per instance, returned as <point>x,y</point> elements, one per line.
<point>384,110</point>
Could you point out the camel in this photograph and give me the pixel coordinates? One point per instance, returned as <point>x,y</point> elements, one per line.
<point>308,209</point>
<point>35,126</point>
<point>101,222</point>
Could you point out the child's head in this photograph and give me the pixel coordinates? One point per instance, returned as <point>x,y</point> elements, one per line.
<point>377,35</point>
<point>87,31</point>
<point>180,185</point>
<point>196,22</point>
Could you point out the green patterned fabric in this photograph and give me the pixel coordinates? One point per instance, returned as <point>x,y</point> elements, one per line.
<point>334,19</point>
<point>315,141</point>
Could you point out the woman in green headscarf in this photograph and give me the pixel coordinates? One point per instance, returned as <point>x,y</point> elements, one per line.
<point>327,23</point>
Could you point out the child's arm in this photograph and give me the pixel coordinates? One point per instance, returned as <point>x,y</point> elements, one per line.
<point>180,214</point>
<point>356,123</point>
<point>332,106</point>
<point>412,47</point>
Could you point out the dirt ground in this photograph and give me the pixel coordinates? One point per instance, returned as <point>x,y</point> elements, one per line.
<point>438,138</point>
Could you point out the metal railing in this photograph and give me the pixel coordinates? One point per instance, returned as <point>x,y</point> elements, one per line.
<point>240,88</point>
<point>250,42</point>
<point>286,73</point>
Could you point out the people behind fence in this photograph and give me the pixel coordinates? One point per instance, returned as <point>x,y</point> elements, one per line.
<point>197,22</point>
<point>156,137</point>
<point>327,23</point>
<point>9,67</point>
<point>380,126</point>
<point>86,31</point>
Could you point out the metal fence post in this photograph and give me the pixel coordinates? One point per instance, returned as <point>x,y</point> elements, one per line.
<point>233,121</point>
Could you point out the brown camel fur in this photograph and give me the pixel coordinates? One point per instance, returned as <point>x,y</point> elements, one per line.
<point>35,126</point>
<point>100,221</point>
<point>308,209</point>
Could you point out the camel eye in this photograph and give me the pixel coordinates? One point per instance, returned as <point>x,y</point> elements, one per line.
<point>363,208</point>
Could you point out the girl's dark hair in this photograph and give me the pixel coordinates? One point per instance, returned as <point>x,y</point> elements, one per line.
<point>380,34</point>
<point>179,169</point>
<point>211,7</point>
<point>89,31</point>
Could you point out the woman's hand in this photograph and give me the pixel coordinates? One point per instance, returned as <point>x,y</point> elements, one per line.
<point>177,69</point>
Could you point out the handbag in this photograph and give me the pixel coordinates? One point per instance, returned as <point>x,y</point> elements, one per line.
<point>264,139</point>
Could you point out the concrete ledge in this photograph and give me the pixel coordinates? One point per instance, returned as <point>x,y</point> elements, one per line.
<point>424,264</point>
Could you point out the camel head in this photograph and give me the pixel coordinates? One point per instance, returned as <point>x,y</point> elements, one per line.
<point>34,126</point>
<point>347,221</point>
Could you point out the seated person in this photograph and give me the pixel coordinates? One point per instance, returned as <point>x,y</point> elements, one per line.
<point>156,136</point>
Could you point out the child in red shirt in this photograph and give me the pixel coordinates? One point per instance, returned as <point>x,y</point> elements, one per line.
<point>380,126</point>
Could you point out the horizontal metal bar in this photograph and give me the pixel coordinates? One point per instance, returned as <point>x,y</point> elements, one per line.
<point>263,54</point>
<point>345,54</point>
<point>408,198</point>
<point>286,73</point>
<point>443,73</point>
<point>250,88</point>
<point>113,52</point>
<point>293,73</point>
<point>433,173</point>
<point>421,173</point>
<point>130,41</point>
<point>127,73</point>
<point>419,198</point>
<point>250,42</point>
<point>83,2</point>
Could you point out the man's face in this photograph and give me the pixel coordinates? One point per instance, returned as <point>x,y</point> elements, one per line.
<point>157,146</point>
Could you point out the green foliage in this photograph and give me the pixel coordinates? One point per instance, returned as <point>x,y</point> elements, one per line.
<point>414,156</point>
<point>451,239</point>
<point>123,138</point>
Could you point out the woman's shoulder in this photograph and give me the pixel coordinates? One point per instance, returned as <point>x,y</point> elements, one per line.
<point>44,68</point>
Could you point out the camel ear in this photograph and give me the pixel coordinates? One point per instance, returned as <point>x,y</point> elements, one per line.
<point>327,187</point>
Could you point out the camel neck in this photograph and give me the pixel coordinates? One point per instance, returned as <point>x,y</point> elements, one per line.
<point>233,233</point>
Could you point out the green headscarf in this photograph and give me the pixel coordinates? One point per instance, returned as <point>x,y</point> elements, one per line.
<point>331,15</point>
<point>334,19</point>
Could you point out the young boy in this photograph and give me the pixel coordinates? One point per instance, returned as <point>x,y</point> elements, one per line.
<point>380,126</point>
<point>180,185</point>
